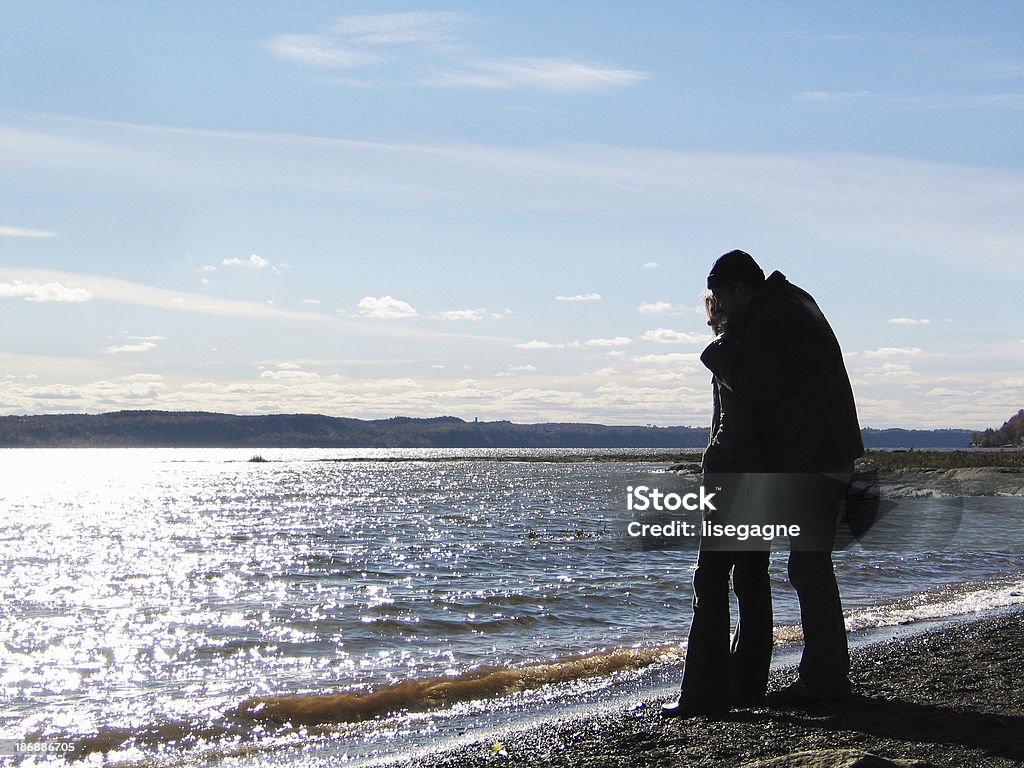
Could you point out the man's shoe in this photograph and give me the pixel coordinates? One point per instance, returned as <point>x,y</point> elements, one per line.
<point>798,693</point>
<point>679,709</point>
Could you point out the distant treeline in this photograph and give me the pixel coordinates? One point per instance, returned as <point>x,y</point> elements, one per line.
<point>168,429</point>
<point>1011,433</point>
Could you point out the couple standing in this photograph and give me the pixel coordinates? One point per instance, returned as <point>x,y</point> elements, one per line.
<point>785,429</point>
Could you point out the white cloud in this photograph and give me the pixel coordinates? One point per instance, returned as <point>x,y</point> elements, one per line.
<point>618,341</point>
<point>909,321</point>
<point>651,265</point>
<point>894,352</point>
<point>655,308</point>
<point>474,315</point>
<point>385,308</point>
<point>290,374</point>
<point>668,336</point>
<point>537,344</point>
<point>580,297</point>
<point>23,232</point>
<point>673,358</point>
<point>135,344</point>
<point>142,346</point>
<point>41,292</point>
<point>672,391</point>
<point>254,262</point>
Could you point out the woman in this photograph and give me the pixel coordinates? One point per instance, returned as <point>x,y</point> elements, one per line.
<point>718,675</point>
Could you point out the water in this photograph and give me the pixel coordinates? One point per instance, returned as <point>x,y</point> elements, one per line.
<point>161,602</point>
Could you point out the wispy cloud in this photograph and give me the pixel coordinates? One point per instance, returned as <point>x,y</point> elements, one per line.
<point>549,74</point>
<point>392,28</point>
<point>45,285</point>
<point>424,41</point>
<point>320,51</point>
<point>6,231</point>
<point>909,321</point>
<point>876,204</point>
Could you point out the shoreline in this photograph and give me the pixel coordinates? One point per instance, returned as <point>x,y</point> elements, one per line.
<point>949,696</point>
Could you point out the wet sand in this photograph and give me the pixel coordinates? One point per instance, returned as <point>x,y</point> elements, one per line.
<point>953,697</point>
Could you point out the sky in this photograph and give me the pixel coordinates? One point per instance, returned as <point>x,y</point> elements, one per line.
<point>502,210</point>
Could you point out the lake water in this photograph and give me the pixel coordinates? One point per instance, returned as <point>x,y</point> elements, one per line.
<point>161,603</point>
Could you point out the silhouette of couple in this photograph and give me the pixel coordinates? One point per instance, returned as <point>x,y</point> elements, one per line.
<point>783,441</point>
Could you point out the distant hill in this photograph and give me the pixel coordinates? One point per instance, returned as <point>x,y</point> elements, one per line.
<point>167,429</point>
<point>164,429</point>
<point>1011,433</point>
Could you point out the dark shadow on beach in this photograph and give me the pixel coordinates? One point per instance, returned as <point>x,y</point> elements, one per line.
<point>998,735</point>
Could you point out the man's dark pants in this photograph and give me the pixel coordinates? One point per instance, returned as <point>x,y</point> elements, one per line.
<point>812,501</point>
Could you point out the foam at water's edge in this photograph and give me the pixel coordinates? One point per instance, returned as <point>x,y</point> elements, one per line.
<point>941,602</point>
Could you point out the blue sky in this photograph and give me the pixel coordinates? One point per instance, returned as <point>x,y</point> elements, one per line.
<point>502,210</point>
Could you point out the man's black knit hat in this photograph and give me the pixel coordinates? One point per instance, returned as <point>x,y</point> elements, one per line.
<point>735,267</point>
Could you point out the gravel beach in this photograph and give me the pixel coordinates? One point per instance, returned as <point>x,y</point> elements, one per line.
<point>952,697</point>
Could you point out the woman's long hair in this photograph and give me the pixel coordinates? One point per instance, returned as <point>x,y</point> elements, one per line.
<point>716,317</point>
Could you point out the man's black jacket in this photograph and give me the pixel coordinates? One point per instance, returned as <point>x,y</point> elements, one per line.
<point>784,362</point>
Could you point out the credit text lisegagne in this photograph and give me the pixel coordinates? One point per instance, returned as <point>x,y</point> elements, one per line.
<point>644,499</point>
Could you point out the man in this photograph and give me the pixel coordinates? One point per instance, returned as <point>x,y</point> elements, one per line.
<point>784,363</point>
